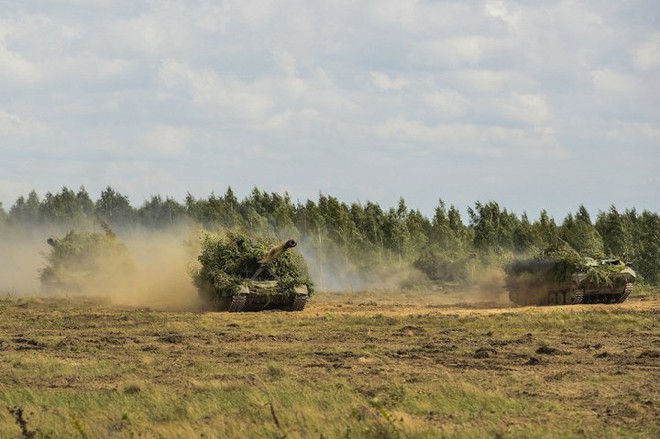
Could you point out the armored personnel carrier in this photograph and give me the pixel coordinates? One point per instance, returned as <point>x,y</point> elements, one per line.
<point>238,273</point>
<point>84,261</point>
<point>569,282</point>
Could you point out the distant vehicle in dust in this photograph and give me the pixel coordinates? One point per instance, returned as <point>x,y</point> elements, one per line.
<point>557,282</point>
<point>86,262</point>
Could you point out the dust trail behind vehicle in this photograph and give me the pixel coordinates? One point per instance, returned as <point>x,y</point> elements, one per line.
<point>159,276</point>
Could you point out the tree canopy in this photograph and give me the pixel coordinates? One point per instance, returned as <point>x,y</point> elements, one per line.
<point>366,234</point>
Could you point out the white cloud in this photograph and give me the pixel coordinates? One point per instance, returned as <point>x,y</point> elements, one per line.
<point>503,10</point>
<point>647,54</point>
<point>9,121</point>
<point>146,33</point>
<point>613,82</point>
<point>25,135</point>
<point>249,101</point>
<point>382,80</point>
<point>15,68</point>
<point>483,141</point>
<point>303,120</point>
<point>486,81</point>
<point>454,52</point>
<point>213,18</point>
<point>447,103</point>
<point>526,107</point>
<point>255,12</point>
<point>634,132</point>
<point>141,177</point>
<point>332,88</point>
<point>287,62</point>
<point>168,140</point>
<point>399,13</point>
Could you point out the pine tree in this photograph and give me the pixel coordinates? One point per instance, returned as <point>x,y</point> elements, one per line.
<point>546,230</point>
<point>158,213</point>
<point>580,233</point>
<point>26,211</point>
<point>616,232</point>
<point>524,235</point>
<point>114,208</point>
<point>492,226</point>
<point>647,260</point>
<point>65,207</point>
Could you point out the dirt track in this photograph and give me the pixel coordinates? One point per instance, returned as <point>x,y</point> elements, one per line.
<point>455,303</point>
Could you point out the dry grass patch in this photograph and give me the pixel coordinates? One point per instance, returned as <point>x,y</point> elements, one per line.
<point>338,369</point>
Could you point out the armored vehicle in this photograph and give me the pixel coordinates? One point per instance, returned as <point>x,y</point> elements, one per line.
<point>563,282</point>
<point>85,261</point>
<point>239,273</point>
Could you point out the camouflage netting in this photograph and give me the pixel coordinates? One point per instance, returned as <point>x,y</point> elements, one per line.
<point>229,259</point>
<point>86,262</point>
<point>559,264</point>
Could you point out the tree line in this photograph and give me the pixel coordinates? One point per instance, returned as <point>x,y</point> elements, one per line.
<point>365,235</point>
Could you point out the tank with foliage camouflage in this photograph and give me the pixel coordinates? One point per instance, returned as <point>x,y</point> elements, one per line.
<point>444,269</point>
<point>239,273</point>
<point>82,262</point>
<point>566,278</point>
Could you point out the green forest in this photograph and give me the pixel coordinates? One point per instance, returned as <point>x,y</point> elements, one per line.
<point>365,239</point>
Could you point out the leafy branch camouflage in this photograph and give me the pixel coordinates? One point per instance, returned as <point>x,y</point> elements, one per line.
<point>227,261</point>
<point>81,259</point>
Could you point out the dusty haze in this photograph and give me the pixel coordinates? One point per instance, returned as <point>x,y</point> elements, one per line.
<point>163,259</point>
<point>160,278</point>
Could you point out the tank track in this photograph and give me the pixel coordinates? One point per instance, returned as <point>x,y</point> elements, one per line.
<point>626,292</point>
<point>578,296</point>
<point>237,303</point>
<point>299,303</point>
<point>611,298</point>
<point>572,297</point>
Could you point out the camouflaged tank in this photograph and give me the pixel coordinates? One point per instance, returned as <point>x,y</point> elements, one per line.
<point>559,282</point>
<point>238,273</point>
<point>84,262</point>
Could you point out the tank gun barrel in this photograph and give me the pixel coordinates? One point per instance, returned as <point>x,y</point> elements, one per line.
<point>277,251</point>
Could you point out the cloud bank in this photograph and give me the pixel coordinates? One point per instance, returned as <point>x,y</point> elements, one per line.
<point>533,104</point>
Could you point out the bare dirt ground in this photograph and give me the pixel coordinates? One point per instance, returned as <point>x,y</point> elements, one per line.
<point>359,364</point>
<point>470,302</point>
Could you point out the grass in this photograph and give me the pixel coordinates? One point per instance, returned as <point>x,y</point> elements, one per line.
<point>85,368</point>
<point>646,292</point>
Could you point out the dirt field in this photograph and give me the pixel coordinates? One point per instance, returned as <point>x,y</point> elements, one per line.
<point>364,364</point>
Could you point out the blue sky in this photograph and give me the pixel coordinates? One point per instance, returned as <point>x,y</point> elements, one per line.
<point>543,104</point>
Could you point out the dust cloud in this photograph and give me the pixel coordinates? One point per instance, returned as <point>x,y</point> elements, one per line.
<point>163,260</point>
<point>491,286</point>
<point>402,281</point>
<point>21,258</point>
<point>157,275</point>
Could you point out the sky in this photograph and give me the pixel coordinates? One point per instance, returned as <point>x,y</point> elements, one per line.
<point>532,104</point>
